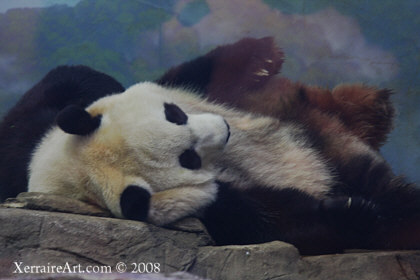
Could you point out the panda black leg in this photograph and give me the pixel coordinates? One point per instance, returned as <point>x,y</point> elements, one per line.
<point>350,214</point>
<point>135,203</point>
<point>399,227</point>
<point>354,218</point>
<point>391,222</point>
<point>351,208</point>
<point>262,214</point>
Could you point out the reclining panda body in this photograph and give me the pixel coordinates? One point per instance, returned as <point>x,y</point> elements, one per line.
<point>141,142</point>
<point>158,154</point>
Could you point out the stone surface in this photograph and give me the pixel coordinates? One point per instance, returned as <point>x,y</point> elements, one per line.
<point>179,275</point>
<point>55,203</point>
<point>40,237</point>
<point>363,266</point>
<point>43,238</point>
<point>273,260</point>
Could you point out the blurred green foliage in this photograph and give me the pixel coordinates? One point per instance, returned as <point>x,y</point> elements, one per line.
<point>193,12</point>
<point>106,35</point>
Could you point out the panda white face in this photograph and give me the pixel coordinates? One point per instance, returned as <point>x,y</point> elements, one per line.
<point>143,137</point>
<point>161,137</point>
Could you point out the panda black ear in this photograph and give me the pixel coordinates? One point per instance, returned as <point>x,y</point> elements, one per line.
<point>76,120</point>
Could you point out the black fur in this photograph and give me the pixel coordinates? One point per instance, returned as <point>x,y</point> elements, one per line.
<point>190,159</point>
<point>353,218</point>
<point>361,175</point>
<point>25,124</point>
<point>260,214</point>
<point>228,128</point>
<point>76,120</point>
<point>389,206</point>
<point>135,203</point>
<point>195,74</point>
<point>175,115</point>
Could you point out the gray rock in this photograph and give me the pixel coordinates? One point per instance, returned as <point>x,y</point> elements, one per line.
<point>38,238</point>
<point>54,203</point>
<point>273,260</point>
<point>373,265</point>
<point>42,238</point>
<point>179,275</point>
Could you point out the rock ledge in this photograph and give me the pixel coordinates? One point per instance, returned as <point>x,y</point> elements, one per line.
<point>43,238</point>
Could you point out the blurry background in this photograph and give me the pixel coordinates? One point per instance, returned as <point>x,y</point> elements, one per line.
<point>326,42</point>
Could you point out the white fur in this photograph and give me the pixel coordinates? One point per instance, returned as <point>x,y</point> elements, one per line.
<point>136,145</point>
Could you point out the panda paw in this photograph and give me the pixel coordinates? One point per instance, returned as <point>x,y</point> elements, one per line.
<point>265,60</point>
<point>135,203</point>
<point>353,214</point>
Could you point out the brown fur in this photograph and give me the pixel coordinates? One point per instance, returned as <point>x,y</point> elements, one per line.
<point>243,75</point>
<point>317,110</point>
<point>248,63</point>
<point>234,69</point>
<point>365,111</point>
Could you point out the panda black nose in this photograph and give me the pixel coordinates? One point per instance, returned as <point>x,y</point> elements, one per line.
<point>228,128</point>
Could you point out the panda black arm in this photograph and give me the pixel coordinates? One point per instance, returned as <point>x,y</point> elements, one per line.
<point>194,74</point>
<point>229,70</point>
<point>261,214</point>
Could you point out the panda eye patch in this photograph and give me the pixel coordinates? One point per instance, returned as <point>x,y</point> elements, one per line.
<point>190,159</point>
<point>175,115</point>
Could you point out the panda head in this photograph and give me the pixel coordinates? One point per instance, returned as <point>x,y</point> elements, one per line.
<point>147,137</point>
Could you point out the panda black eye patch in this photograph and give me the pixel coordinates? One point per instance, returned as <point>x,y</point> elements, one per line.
<point>175,115</point>
<point>190,159</point>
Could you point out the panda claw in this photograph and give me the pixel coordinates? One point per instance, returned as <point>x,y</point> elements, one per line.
<point>352,211</point>
<point>349,202</point>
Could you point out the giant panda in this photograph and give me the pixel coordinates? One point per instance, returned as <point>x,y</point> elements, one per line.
<point>159,152</point>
